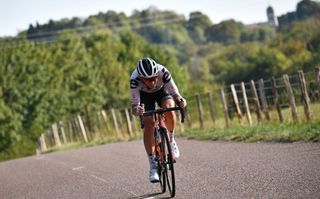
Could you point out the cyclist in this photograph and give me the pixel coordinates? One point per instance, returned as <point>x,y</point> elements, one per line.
<point>151,82</point>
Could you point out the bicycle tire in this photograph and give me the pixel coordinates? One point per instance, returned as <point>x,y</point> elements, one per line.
<point>169,161</point>
<point>159,150</point>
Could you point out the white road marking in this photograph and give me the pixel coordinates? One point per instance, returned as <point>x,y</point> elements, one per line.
<point>98,178</point>
<point>77,168</point>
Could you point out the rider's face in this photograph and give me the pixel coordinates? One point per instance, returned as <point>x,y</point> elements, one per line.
<point>150,82</point>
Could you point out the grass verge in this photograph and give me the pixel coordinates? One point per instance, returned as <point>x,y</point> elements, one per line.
<point>286,132</point>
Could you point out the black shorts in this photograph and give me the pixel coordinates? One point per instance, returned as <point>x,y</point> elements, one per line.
<point>149,99</point>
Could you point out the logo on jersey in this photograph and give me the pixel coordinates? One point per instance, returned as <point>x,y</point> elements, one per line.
<point>166,77</point>
<point>134,84</point>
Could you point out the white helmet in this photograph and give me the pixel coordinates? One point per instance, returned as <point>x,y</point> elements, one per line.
<point>147,68</point>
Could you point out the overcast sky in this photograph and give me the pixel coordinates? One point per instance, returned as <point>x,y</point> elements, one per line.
<point>16,15</point>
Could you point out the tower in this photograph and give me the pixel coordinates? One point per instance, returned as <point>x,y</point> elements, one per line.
<point>271,16</point>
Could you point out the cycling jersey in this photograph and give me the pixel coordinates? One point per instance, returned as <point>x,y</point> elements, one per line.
<point>164,79</point>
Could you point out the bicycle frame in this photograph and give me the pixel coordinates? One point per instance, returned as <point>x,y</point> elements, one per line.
<point>163,151</point>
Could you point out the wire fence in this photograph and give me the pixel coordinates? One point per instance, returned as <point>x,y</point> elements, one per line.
<point>271,100</point>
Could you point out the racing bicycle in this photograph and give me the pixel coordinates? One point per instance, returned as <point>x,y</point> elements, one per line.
<point>163,151</point>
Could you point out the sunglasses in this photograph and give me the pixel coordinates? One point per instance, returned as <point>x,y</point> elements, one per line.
<point>150,79</point>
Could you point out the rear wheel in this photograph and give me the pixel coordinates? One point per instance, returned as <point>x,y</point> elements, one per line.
<point>169,168</point>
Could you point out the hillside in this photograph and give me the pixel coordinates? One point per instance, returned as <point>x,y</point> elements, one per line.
<point>62,68</point>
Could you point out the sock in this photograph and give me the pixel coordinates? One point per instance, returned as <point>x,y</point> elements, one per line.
<point>171,136</point>
<point>152,162</point>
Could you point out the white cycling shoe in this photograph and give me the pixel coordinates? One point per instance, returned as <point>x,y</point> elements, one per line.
<point>153,175</point>
<point>175,150</point>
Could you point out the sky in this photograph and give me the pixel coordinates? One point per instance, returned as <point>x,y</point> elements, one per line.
<point>17,15</point>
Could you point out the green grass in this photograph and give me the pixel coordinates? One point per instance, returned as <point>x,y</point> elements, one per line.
<point>268,131</point>
<point>287,132</point>
<point>272,132</point>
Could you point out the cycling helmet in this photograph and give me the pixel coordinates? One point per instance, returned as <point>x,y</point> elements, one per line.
<point>147,68</point>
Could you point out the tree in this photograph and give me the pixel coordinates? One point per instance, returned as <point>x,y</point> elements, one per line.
<point>197,25</point>
<point>307,8</point>
<point>245,62</point>
<point>226,32</point>
<point>9,126</point>
<point>261,33</point>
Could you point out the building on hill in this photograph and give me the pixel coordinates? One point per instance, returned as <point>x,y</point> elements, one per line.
<point>272,20</point>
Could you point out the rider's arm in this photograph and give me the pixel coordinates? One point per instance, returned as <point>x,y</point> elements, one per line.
<point>172,88</point>
<point>168,82</point>
<point>136,108</point>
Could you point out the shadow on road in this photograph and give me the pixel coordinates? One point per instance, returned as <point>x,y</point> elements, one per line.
<point>148,196</point>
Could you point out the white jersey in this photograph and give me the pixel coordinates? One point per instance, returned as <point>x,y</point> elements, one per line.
<point>164,79</point>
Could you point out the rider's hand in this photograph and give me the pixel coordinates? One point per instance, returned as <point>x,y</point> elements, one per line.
<point>181,102</point>
<point>138,110</point>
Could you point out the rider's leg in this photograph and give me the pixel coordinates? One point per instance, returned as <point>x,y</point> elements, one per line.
<point>170,116</point>
<point>149,146</point>
<point>148,100</point>
<point>170,124</point>
<point>148,139</point>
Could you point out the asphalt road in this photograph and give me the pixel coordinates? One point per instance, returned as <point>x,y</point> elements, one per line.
<point>206,169</point>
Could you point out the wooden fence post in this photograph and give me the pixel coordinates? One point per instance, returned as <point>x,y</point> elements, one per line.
<point>256,100</point>
<point>115,122</point>
<point>62,132</point>
<point>200,110</point>
<point>236,102</point>
<point>264,102</point>
<point>291,98</point>
<point>225,107</point>
<point>245,99</point>
<point>128,121</point>
<point>105,118</point>
<point>304,92</point>
<point>317,78</point>
<point>133,121</point>
<point>83,130</point>
<point>211,105</point>
<point>56,135</point>
<point>43,144</point>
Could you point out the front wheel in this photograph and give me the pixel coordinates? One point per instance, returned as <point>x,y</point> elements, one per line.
<point>169,168</point>
<point>159,150</point>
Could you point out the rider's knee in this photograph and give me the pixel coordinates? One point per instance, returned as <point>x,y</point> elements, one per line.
<point>168,103</point>
<point>148,122</point>
<point>170,115</point>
